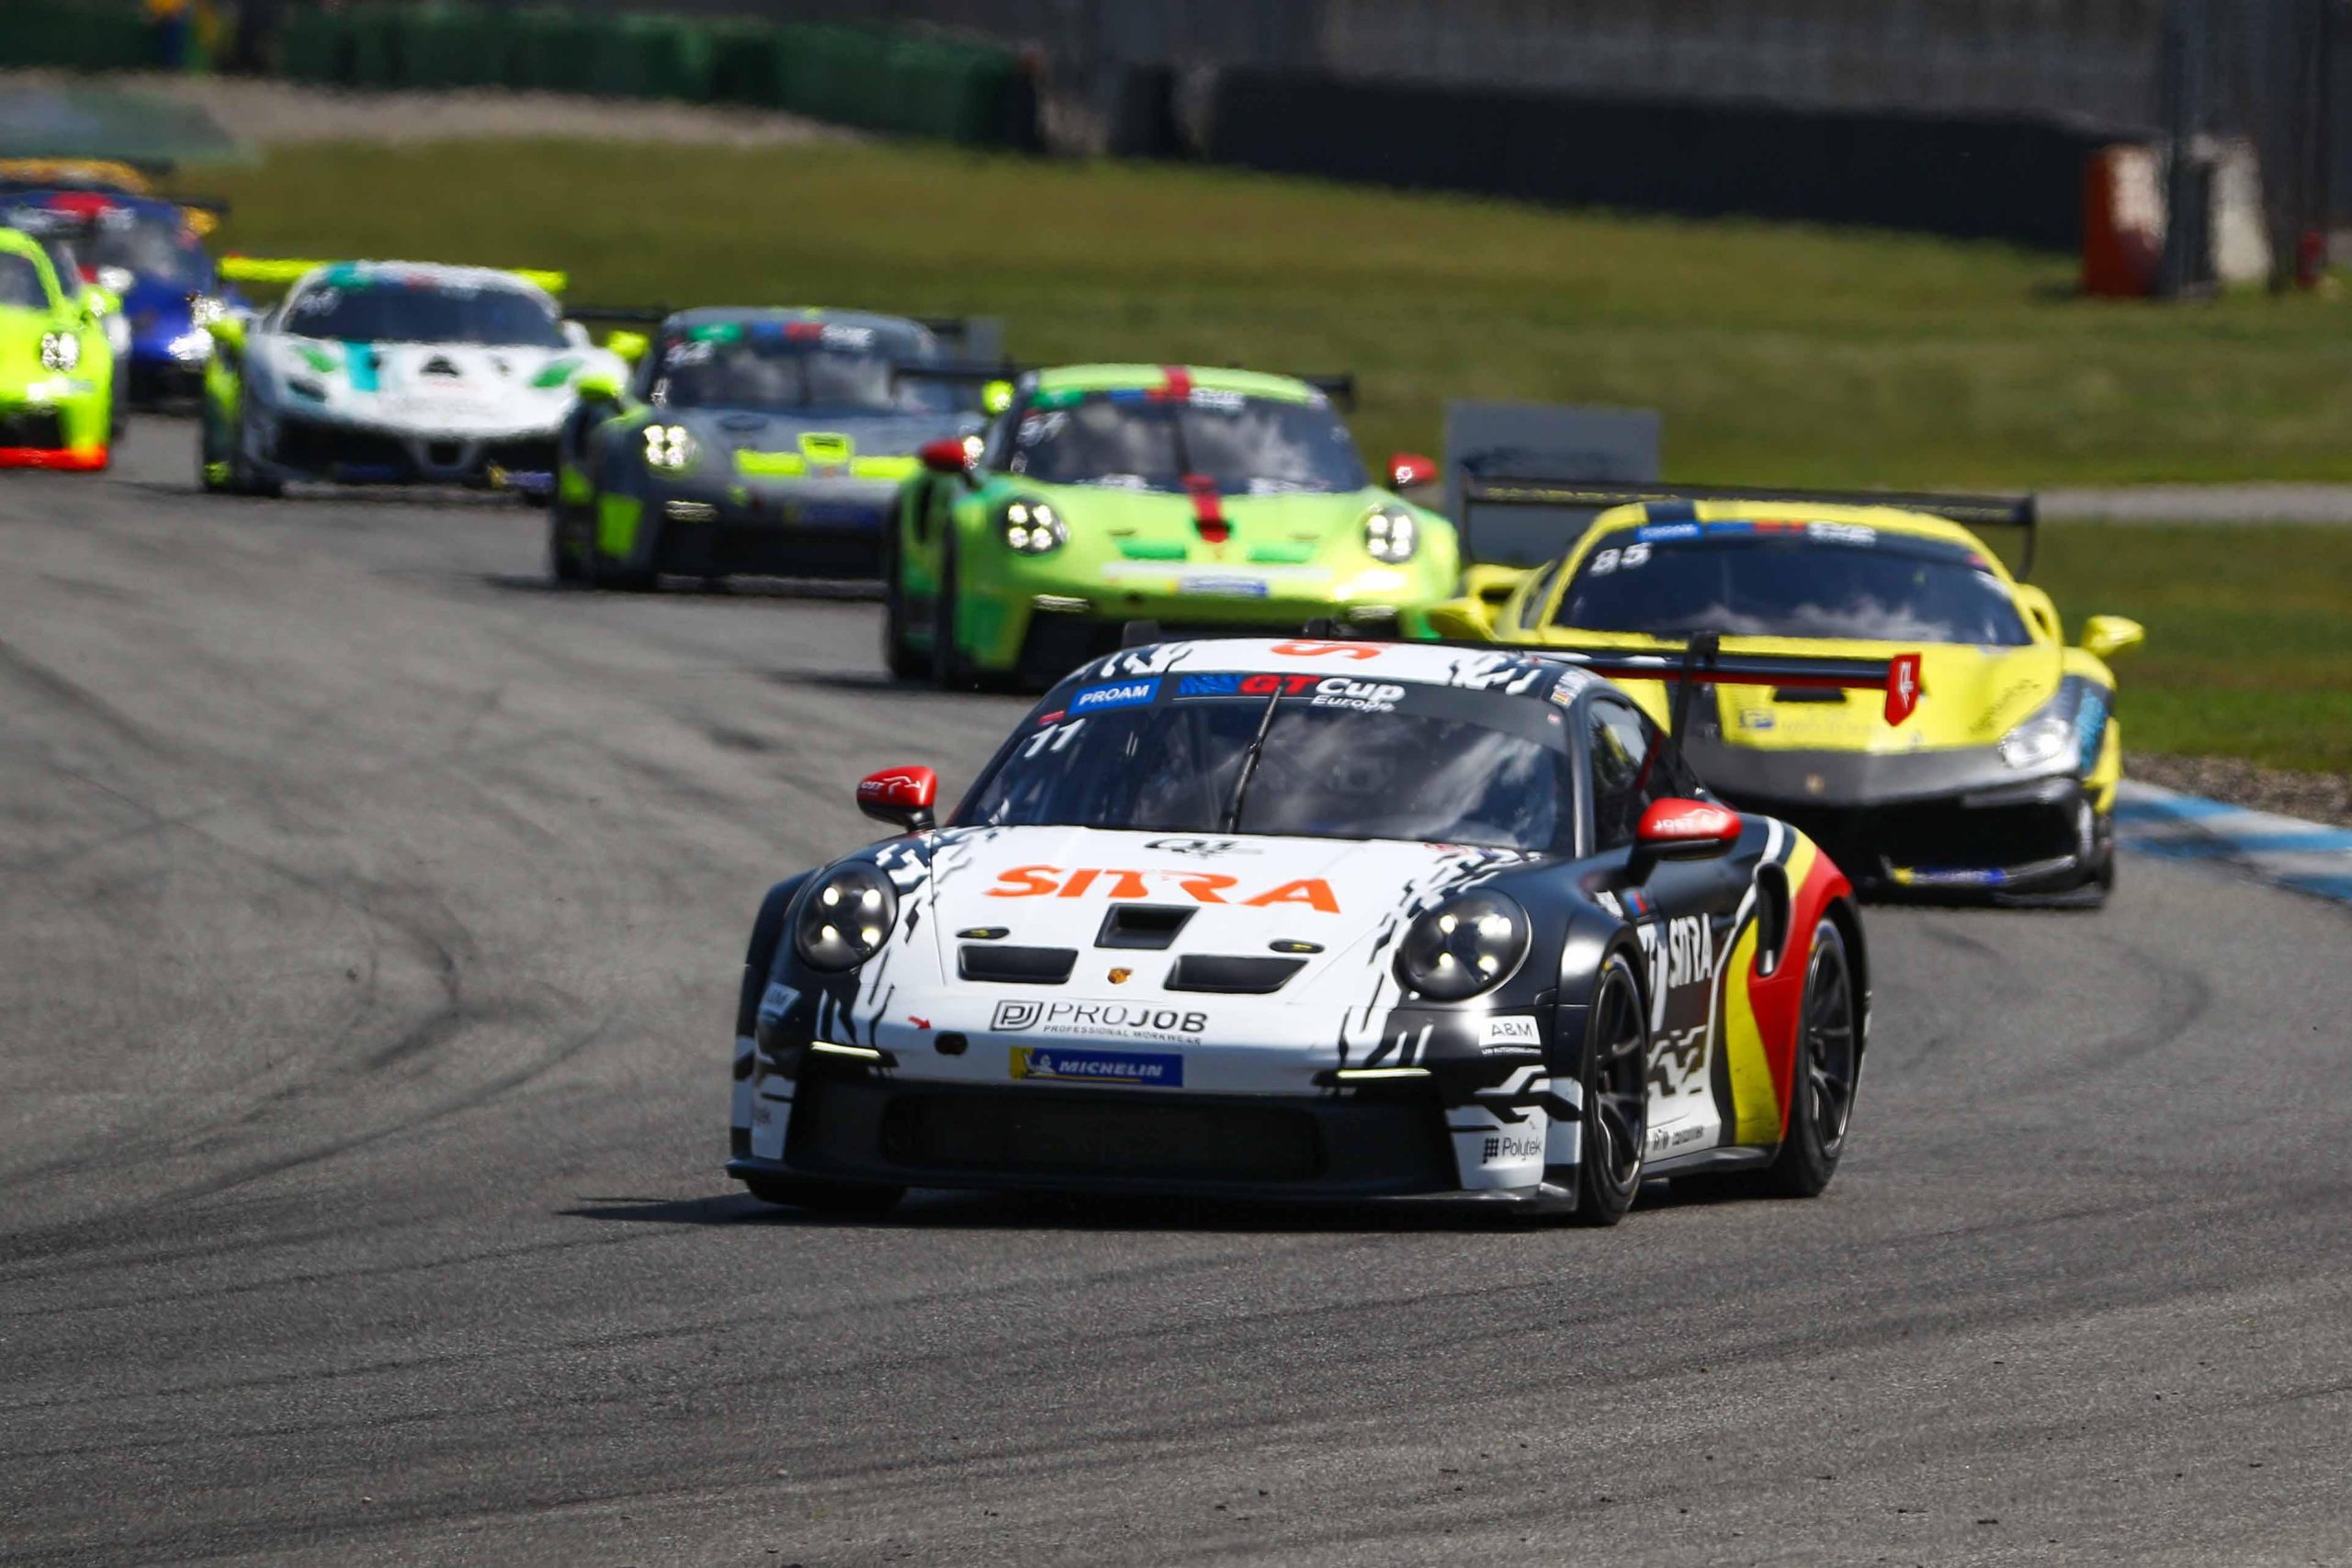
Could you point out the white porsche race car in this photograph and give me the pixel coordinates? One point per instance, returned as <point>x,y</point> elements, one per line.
<point>1307,920</point>
<point>393,373</point>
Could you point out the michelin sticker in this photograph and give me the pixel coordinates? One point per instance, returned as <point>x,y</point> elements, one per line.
<point>1152,1069</point>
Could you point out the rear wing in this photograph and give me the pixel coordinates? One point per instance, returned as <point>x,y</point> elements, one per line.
<point>1702,662</point>
<point>1339,388</point>
<point>1587,499</point>
<point>284,272</point>
<point>985,376</point>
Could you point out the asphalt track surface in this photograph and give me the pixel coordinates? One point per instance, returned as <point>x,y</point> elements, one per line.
<point>370,922</point>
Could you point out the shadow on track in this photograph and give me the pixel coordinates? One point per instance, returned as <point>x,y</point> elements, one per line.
<point>747,590</point>
<point>1064,1211</point>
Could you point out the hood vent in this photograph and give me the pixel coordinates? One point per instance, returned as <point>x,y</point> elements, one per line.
<point>1152,928</point>
<point>1232,976</point>
<point>1016,965</point>
<point>437,365</point>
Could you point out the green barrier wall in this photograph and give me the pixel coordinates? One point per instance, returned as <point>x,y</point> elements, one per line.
<point>81,35</point>
<point>874,78</point>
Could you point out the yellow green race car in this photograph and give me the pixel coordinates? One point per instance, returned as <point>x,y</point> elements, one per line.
<point>57,406</point>
<point>1204,500</point>
<point>1990,767</point>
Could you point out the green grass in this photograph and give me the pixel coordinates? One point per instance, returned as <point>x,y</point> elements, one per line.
<point>1778,353</point>
<point>2249,650</point>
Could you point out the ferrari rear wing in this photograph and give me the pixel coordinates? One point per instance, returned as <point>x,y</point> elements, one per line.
<point>284,272</point>
<point>1592,497</point>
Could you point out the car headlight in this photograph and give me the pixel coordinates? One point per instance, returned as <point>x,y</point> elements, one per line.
<point>1465,945</point>
<point>60,350</point>
<point>1391,535</point>
<point>1031,528</point>
<point>846,918</point>
<point>205,309</point>
<point>669,447</point>
<point>2038,741</point>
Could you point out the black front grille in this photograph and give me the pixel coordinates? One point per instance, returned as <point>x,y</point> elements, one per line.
<point>1016,965</point>
<point>1939,833</point>
<point>44,430</point>
<point>1060,1137</point>
<point>532,457</point>
<point>323,449</point>
<point>1232,976</point>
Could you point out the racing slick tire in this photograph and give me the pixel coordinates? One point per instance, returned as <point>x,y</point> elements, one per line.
<point>949,668</point>
<point>850,1199</point>
<point>1821,1087</point>
<point>904,662</point>
<point>241,480</point>
<point>1616,1096</point>
<point>563,565</point>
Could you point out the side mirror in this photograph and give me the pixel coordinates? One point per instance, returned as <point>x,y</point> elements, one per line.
<point>2104,636</point>
<point>1408,470</point>
<point>996,397</point>
<point>629,346</point>
<point>1685,829</point>
<point>948,455</point>
<point>595,387</point>
<point>900,796</point>
<point>577,335</point>
<point>229,331</point>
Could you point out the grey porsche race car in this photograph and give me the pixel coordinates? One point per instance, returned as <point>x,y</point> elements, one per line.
<point>764,442</point>
<point>1307,920</point>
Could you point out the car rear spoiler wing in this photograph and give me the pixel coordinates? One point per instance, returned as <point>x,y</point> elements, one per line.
<point>284,272</point>
<point>1702,661</point>
<point>1593,497</point>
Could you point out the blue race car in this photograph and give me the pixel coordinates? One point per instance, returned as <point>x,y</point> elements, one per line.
<point>146,252</point>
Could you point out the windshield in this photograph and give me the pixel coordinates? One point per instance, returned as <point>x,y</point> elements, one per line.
<point>20,283</point>
<point>1145,441</point>
<point>153,249</point>
<point>793,366</point>
<point>1814,579</point>
<point>1423,764</point>
<point>386,311</point>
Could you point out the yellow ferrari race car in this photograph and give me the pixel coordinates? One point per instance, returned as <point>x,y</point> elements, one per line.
<point>1989,767</point>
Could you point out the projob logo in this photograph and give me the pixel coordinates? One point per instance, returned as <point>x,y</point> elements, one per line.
<point>1127,1019</point>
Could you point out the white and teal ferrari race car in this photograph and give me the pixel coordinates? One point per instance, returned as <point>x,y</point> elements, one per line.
<point>392,373</point>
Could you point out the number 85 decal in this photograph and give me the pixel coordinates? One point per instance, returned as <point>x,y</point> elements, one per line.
<point>1629,557</point>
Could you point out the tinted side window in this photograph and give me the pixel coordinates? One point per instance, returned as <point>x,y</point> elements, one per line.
<point>1627,774</point>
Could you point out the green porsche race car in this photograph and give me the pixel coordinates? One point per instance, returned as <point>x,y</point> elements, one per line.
<point>1201,499</point>
<point>57,406</point>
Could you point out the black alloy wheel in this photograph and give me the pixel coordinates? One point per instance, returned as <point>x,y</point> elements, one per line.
<point>1827,1067</point>
<point>1616,1096</point>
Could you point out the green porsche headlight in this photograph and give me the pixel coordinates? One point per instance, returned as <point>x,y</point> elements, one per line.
<point>669,447</point>
<point>1031,528</point>
<point>1391,535</point>
<point>60,350</point>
